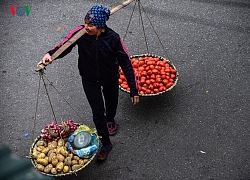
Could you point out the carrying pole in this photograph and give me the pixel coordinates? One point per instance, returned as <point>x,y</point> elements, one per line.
<point>80,34</point>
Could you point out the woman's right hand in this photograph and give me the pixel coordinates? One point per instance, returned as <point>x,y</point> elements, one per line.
<point>46,60</point>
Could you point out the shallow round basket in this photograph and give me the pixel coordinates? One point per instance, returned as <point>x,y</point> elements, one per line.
<point>162,59</point>
<point>59,174</point>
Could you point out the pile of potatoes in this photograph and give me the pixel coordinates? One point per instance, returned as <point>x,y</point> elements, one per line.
<point>54,158</point>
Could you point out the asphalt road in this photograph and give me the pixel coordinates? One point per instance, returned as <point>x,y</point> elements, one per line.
<point>200,130</point>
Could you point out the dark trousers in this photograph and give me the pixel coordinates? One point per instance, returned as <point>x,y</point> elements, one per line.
<point>103,100</point>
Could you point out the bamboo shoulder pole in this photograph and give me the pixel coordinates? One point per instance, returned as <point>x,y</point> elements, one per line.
<point>79,34</point>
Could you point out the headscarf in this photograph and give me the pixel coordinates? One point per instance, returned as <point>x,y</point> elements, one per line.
<point>97,16</point>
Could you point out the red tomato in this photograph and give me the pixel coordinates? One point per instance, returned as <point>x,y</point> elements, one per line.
<point>148,91</point>
<point>158,80</point>
<point>169,85</point>
<point>172,76</point>
<point>152,76</point>
<point>122,77</point>
<point>155,71</point>
<point>152,81</point>
<point>141,62</point>
<point>148,82</point>
<point>165,81</point>
<point>156,90</point>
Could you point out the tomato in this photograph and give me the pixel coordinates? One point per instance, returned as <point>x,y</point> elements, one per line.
<point>167,70</point>
<point>141,68</point>
<point>148,82</point>
<point>122,77</point>
<point>148,91</point>
<point>156,85</point>
<point>143,73</point>
<point>149,72</point>
<point>135,64</point>
<point>156,90</point>
<point>152,76</point>
<point>143,80</point>
<point>172,70</point>
<point>161,88</point>
<point>149,63</point>
<point>152,81</point>
<point>120,81</point>
<point>151,87</point>
<point>162,72</point>
<point>158,80</point>
<point>172,76</point>
<point>155,71</point>
<point>169,85</point>
<point>151,66</point>
<point>165,81</point>
<point>141,62</point>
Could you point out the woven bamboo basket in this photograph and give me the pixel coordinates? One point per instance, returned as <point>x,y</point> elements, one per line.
<point>162,59</point>
<point>61,174</point>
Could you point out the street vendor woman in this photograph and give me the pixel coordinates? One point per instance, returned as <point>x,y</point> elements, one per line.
<point>101,52</point>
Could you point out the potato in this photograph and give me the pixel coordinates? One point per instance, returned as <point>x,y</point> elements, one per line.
<point>54,161</point>
<point>67,161</point>
<point>50,152</point>
<point>74,162</point>
<point>59,166</point>
<point>46,150</point>
<point>85,161</point>
<point>66,144</point>
<point>40,148</point>
<point>81,162</point>
<point>41,156</point>
<point>76,157</point>
<point>48,168</point>
<point>71,155</point>
<point>40,167</point>
<point>58,150</point>
<point>76,166</point>
<point>35,153</point>
<point>54,143</point>
<point>53,171</point>
<point>66,169</point>
<point>60,157</point>
<point>60,143</point>
<point>43,162</point>
<point>64,152</point>
<point>41,143</point>
<point>51,157</point>
<point>51,146</point>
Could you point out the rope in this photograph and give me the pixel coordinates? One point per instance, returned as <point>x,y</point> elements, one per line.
<point>37,97</point>
<point>129,21</point>
<point>43,77</point>
<point>143,29</point>
<point>156,34</point>
<point>141,8</point>
<point>50,102</point>
<point>65,100</point>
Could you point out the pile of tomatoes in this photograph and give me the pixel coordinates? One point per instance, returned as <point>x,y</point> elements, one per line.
<point>153,74</point>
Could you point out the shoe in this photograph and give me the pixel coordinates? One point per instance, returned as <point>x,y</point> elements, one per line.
<point>103,154</point>
<point>112,128</point>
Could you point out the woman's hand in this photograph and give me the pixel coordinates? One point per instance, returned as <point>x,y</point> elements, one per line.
<point>135,100</point>
<point>46,60</point>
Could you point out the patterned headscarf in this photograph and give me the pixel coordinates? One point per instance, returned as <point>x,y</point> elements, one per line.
<point>97,16</point>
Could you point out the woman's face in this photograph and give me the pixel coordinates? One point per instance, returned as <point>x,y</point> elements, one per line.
<point>91,29</point>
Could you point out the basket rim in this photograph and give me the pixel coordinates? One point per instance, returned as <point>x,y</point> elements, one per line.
<point>163,59</point>
<point>61,174</point>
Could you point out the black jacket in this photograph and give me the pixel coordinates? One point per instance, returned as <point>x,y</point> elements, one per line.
<point>100,57</point>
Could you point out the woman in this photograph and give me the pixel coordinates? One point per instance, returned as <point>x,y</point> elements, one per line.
<point>101,52</point>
